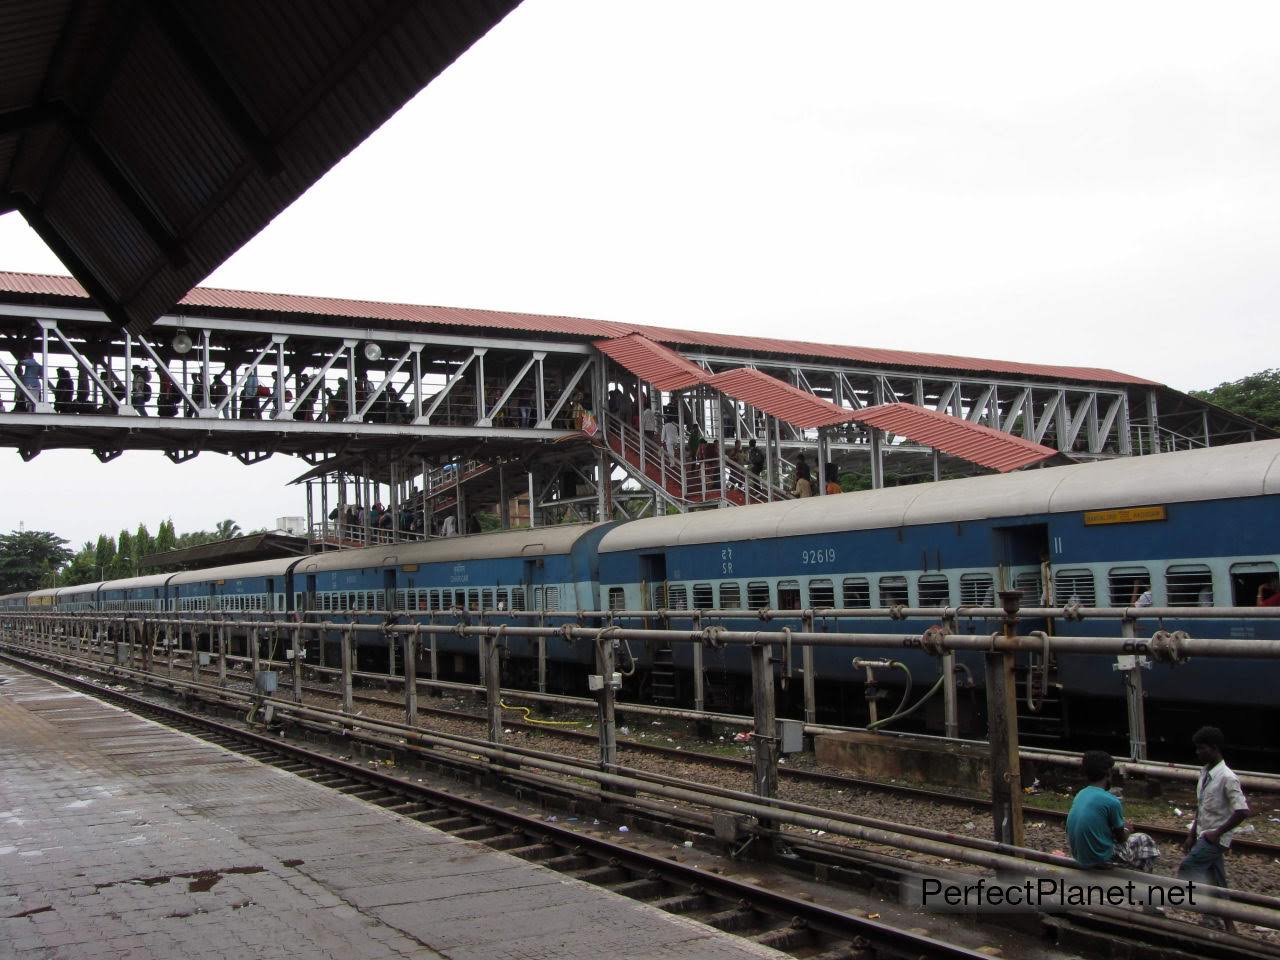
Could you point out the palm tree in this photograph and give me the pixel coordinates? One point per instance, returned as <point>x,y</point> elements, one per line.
<point>226,529</point>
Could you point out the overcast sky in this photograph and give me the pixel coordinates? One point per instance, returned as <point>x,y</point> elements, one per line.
<point>1092,184</point>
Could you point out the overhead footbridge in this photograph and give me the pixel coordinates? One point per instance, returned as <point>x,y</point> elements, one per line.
<point>589,418</point>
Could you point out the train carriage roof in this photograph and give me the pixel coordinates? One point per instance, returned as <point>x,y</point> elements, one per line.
<point>40,594</point>
<point>137,583</point>
<point>80,588</point>
<point>502,544</point>
<point>1238,470</point>
<point>261,568</point>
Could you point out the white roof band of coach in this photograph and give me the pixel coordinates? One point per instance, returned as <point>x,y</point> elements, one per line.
<point>536,542</point>
<point>1218,473</point>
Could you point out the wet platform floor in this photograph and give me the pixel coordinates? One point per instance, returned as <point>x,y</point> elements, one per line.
<point>121,838</point>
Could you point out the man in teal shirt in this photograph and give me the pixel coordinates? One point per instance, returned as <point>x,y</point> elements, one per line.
<point>1096,828</point>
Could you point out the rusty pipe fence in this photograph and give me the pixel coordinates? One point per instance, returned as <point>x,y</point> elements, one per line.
<point>48,634</point>
<point>941,639</point>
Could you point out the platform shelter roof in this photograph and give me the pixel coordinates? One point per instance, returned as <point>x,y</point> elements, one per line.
<point>147,142</point>
<point>208,300</point>
<point>994,449</point>
<point>652,362</point>
<point>800,408</point>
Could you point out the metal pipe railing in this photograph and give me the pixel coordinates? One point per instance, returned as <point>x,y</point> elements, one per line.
<point>1003,858</point>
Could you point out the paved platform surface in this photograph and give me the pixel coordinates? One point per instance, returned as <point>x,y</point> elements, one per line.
<point>120,838</point>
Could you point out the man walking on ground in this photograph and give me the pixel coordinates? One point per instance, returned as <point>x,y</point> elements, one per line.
<point>1220,808</point>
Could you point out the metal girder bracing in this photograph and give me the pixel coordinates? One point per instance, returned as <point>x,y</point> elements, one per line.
<point>230,391</point>
<point>567,391</point>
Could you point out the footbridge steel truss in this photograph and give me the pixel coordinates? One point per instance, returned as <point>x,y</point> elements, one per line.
<point>372,403</point>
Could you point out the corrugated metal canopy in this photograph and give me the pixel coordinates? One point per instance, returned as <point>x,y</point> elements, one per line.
<point>959,438</point>
<point>652,362</point>
<point>205,300</point>
<point>145,142</point>
<point>800,408</point>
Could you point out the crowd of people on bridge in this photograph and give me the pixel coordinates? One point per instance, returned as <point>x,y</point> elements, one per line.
<point>242,393</point>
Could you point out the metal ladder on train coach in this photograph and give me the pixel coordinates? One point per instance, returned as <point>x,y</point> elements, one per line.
<point>1049,723</point>
<point>662,675</point>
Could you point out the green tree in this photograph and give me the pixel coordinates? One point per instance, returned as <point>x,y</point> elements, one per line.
<point>104,557</point>
<point>82,568</point>
<point>166,537</point>
<point>227,529</point>
<point>28,558</point>
<point>1256,396</point>
<point>143,544</point>
<point>126,562</point>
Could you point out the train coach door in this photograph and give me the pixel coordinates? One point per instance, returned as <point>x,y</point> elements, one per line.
<point>389,588</point>
<point>1019,553</point>
<point>653,580</point>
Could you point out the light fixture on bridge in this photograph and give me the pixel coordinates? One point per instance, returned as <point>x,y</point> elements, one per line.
<point>372,351</point>
<point>182,342</point>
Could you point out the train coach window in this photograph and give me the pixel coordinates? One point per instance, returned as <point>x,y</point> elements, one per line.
<point>1074,586</point>
<point>617,598</point>
<point>789,595</point>
<point>893,590</point>
<point>1127,584</point>
<point>486,600</point>
<point>822,594</point>
<point>1028,584</point>
<point>460,599</point>
<point>977,590</point>
<point>517,598</point>
<point>856,593</point>
<point>473,599</point>
<point>1189,585</point>
<point>1246,578</point>
<point>757,595</point>
<point>934,590</point>
<point>677,597</point>
<point>703,599</point>
<point>553,598</point>
<point>730,596</point>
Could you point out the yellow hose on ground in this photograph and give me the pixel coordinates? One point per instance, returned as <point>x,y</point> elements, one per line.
<point>544,723</point>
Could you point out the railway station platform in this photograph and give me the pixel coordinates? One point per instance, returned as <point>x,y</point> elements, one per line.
<point>121,838</point>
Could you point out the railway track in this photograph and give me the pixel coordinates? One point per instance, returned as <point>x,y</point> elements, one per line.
<point>792,925</point>
<point>838,781</point>
<point>770,919</point>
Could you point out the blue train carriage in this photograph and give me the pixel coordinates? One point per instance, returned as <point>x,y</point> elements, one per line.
<point>546,568</point>
<point>257,591</point>
<point>15,601</point>
<point>1204,534</point>
<point>855,550</point>
<point>134,595</point>
<point>1196,529</point>
<point>81,598</point>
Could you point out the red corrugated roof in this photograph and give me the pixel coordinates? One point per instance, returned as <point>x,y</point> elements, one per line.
<point>959,438</point>
<point>652,362</point>
<point>800,408</point>
<point>367,310</point>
